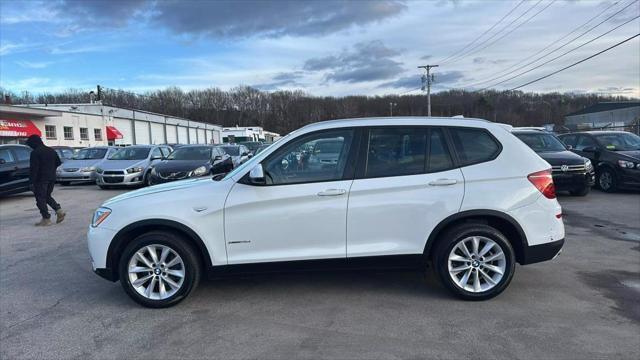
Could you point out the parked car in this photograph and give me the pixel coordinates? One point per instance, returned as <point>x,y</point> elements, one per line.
<point>571,172</point>
<point>64,152</point>
<point>463,194</point>
<point>251,145</point>
<point>129,166</point>
<point>261,148</point>
<point>191,161</point>
<point>239,153</point>
<point>82,166</point>
<point>14,169</point>
<point>615,155</point>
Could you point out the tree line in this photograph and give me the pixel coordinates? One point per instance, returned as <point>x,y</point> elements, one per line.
<point>284,111</point>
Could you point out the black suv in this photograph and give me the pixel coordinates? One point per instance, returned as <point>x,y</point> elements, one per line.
<point>570,172</point>
<point>14,169</point>
<point>615,155</point>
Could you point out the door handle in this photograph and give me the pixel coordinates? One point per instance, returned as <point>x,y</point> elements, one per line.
<point>443,182</point>
<point>332,192</point>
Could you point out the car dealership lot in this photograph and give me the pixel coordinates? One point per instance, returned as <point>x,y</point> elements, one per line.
<point>581,305</point>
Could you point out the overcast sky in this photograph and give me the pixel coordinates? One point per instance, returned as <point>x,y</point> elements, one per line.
<point>322,47</point>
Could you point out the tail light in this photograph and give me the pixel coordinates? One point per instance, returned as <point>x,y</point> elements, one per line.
<point>543,181</point>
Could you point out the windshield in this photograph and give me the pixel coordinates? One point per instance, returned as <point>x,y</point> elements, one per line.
<point>90,154</point>
<point>252,145</point>
<point>619,141</point>
<point>191,153</point>
<point>130,154</point>
<point>542,142</point>
<point>231,150</point>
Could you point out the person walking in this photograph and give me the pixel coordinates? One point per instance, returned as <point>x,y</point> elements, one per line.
<point>43,164</point>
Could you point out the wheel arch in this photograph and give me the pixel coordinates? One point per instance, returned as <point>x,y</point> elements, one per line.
<point>497,219</point>
<point>131,231</point>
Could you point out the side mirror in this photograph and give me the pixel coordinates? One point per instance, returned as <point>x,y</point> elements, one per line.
<point>591,149</point>
<point>569,147</point>
<point>156,158</point>
<point>218,157</point>
<point>256,175</point>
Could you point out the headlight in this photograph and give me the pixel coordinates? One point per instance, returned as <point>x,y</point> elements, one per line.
<point>99,171</point>
<point>199,171</point>
<point>626,164</point>
<point>587,165</point>
<point>100,215</point>
<point>134,170</point>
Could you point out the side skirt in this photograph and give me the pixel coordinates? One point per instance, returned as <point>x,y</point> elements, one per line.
<point>417,261</point>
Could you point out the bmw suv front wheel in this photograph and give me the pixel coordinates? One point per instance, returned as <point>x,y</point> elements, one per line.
<point>159,269</point>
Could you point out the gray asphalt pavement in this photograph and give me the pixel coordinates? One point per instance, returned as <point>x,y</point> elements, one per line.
<point>583,305</point>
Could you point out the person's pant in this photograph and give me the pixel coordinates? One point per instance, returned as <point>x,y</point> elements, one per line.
<point>43,192</point>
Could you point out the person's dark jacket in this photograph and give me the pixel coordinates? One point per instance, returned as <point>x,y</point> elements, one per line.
<point>43,162</point>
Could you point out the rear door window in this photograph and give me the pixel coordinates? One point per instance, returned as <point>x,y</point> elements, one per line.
<point>585,141</point>
<point>474,145</point>
<point>439,156</point>
<point>396,151</point>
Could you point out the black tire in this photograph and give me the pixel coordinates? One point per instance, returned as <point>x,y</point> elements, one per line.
<point>190,258</point>
<point>449,239</point>
<point>607,186</point>
<point>581,192</point>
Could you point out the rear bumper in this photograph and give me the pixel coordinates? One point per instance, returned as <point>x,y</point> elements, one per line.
<point>542,252</point>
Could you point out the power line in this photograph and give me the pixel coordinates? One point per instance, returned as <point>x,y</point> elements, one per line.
<point>556,49</point>
<point>515,28</point>
<point>473,49</point>
<point>561,55</point>
<point>455,53</point>
<point>576,63</point>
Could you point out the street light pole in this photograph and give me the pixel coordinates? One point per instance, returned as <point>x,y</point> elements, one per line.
<point>427,80</point>
<point>391,105</point>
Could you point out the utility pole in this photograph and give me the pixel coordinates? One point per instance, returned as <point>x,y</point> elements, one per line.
<point>427,80</point>
<point>391,105</point>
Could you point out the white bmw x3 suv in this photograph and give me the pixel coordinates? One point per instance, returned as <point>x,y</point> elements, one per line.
<point>462,195</point>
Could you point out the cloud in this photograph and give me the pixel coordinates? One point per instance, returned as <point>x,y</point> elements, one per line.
<point>34,64</point>
<point>415,82</point>
<point>281,80</point>
<point>484,60</point>
<point>230,18</point>
<point>368,61</point>
<point>101,13</point>
<point>426,57</point>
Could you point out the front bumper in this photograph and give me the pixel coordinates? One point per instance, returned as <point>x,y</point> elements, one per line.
<point>573,181</point>
<point>121,178</point>
<point>629,178</point>
<point>98,241</point>
<point>76,176</point>
<point>542,252</point>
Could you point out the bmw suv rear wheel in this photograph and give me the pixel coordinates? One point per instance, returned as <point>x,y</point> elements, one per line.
<point>474,261</point>
<point>159,269</point>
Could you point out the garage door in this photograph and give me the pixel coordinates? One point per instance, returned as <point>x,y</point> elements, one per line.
<point>124,126</point>
<point>172,134</point>
<point>201,138</point>
<point>157,133</point>
<point>142,133</point>
<point>192,136</point>
<point>182,135</point>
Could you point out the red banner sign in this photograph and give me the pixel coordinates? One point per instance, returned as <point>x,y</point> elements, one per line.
<point>18,128</point>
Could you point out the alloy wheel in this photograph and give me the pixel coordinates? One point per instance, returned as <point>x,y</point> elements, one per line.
<point>476,264</point>
<point>605,180</point>
<point>156,272</point>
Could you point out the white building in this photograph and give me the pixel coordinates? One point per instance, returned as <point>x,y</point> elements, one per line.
<point>248,133</point>
<point>81,125</point>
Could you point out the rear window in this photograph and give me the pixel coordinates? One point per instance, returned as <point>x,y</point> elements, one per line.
<point>474,145</point>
